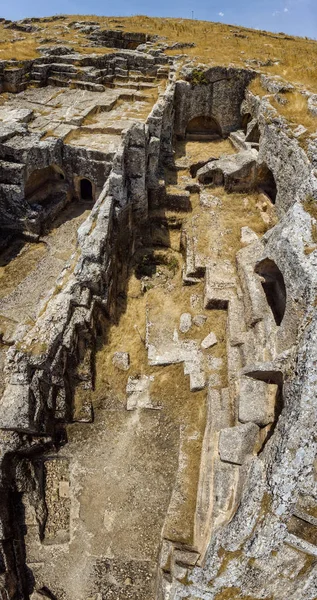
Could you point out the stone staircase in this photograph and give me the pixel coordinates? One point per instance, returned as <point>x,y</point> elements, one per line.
<point>127,69</point>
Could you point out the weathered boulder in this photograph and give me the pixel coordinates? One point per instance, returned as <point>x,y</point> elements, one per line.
<point>275,84</point>
<point>235,172</point>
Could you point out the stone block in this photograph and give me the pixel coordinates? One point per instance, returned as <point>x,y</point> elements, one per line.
<point>15,408</point>
<point>138,392</point>
<point>235,443</point>
<point>248,236</point>
<point>257,401</point>
<point>199,320</point>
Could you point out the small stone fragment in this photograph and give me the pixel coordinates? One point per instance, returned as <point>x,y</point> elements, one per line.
<point>185,322</point>
<point>121,360</point>
<point>199,320</point>
<point>209,341</point>
<point>214,363</point>
<point>63,489</point>
<point>300,130</point>
<point>248,236</point>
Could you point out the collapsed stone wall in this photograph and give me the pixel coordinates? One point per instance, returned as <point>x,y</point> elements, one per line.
<point>118,39</point>
<point>289,163</point>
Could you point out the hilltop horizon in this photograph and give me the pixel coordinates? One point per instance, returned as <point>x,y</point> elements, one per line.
<point>294,17</point>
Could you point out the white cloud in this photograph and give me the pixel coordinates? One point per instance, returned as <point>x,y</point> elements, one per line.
<point>276,13</point>
<point>221,14</point>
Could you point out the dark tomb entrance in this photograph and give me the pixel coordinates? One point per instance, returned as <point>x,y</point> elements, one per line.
<point>86,189</point>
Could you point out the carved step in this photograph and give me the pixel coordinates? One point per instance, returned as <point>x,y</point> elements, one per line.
<point>91,87</point>
<point>134,85</point>
<point>57,82</point>
<point>238,140</point>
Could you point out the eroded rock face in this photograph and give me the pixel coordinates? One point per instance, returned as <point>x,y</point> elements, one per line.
<point>139,416</point>
<point>211,98</point>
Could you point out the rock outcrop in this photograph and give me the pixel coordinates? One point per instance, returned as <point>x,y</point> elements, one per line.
<point>200,447</point>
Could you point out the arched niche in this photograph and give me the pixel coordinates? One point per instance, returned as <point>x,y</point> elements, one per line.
<point>266,182</point>
<point>203,127</point>
<point>39,181</point>
<point>86,189</point>
<point>274,287</point>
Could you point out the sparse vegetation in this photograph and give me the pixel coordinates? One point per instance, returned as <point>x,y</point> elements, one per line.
<point>295,110</point>
<point>198,77</point>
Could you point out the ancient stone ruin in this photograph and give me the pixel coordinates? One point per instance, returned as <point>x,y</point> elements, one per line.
<point>158,332</point>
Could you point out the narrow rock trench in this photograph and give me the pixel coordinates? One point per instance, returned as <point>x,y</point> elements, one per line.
<point>135,480</point>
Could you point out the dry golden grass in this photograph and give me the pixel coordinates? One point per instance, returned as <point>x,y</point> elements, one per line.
<point>215,43</point>
<point>237,210</point>
<point>218,230</point>
<point>310,205</point>
<point>200,150</point>
<point>295,109</point>
<point>256,88</point>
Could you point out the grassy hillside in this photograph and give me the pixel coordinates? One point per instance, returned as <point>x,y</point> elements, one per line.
<point>293,58</point>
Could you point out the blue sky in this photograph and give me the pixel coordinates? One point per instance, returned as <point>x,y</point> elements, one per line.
<point>298,17</point>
